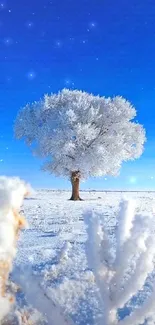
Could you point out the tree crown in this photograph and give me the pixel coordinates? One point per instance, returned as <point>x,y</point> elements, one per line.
<point>77,131</point>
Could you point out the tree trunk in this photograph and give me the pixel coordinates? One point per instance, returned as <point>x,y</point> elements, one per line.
<point>75,181</point>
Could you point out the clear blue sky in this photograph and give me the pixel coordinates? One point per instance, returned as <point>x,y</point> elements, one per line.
<point>104,47</point>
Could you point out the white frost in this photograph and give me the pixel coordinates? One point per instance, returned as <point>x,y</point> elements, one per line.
<point>12,193</point>
<point>121,279</point>
<point>77,131</point>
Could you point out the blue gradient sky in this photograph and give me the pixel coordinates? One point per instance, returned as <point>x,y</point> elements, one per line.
<point>104,47</point>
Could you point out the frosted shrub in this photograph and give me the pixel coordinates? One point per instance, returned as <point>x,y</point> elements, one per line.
<point>12,193</point>
<point>122,271</point>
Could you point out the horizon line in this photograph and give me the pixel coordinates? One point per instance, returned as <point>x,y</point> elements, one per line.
<point>97,190</point>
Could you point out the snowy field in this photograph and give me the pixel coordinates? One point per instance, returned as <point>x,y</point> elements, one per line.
<point>51,265</point>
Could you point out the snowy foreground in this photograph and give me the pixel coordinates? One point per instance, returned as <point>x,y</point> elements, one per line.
<point>51,266</point>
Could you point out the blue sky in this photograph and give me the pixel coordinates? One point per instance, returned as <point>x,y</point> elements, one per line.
<point>104,47</point>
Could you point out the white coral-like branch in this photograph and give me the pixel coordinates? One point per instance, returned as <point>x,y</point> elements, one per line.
<point>121,276</point>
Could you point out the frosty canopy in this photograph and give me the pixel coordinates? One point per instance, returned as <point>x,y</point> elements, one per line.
<point>77,131</point>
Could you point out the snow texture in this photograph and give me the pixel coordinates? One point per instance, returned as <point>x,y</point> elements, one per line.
<point>77,131</point>
<point>58,273</point>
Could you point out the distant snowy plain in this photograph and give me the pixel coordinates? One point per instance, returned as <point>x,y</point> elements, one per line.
<point>51,265</point>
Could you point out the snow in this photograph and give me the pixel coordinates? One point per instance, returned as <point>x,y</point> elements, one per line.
<point>51,268</point>
<point>12,193</point>
<point>74,131</point>
<point>120,276</point>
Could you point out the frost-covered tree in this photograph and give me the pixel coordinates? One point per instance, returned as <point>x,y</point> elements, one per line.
<point>81,135</point>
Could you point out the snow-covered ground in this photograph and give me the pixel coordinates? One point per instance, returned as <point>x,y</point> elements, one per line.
<point>51,265</point>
